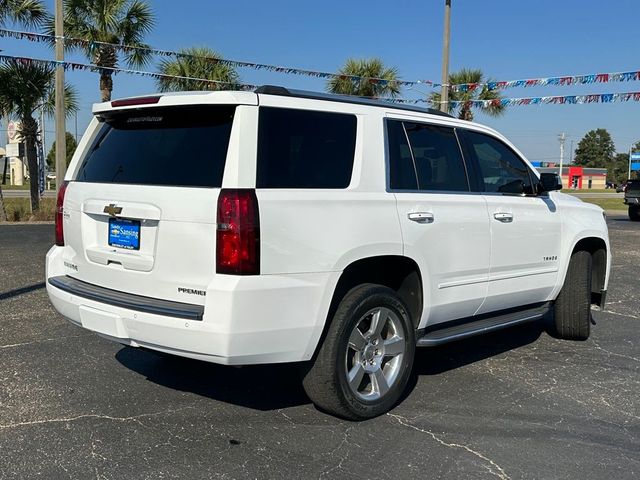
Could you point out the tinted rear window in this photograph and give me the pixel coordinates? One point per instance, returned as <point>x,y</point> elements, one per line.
<point>305,149</point>
<point>180,146</point>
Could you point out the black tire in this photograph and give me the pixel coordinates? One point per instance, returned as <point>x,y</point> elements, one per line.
<point>572,308</point>
<point>634,213</point>
<point>325,377</point>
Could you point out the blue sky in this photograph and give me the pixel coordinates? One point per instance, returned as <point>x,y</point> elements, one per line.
<point>506,39</point>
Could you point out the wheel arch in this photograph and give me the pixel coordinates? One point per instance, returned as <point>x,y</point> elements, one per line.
<point>598,247</point>
<point>400,273</point>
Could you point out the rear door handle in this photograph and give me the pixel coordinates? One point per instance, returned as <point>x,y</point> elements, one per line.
<point>421,217</point>
<point>503,217</point>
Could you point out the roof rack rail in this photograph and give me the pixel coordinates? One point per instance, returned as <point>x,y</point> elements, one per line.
<point>286,92</point>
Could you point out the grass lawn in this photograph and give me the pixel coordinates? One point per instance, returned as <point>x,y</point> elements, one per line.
<point>18,209</point>
<point>607,203</point>
<point>15,187</point>
<point>23,187</point>
<point>587,190</point>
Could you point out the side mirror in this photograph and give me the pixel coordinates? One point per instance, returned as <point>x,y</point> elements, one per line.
<point>549,182</point>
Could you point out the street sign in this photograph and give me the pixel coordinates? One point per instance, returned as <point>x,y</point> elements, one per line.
<point>635,155</point>
<point>14,150</point>
<point>635,166</point>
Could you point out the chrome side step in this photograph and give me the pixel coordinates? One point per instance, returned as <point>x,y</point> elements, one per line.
<point>457,330</point>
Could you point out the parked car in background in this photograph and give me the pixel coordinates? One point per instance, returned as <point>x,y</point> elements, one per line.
<point>620,187</point>
<point>632,198</point>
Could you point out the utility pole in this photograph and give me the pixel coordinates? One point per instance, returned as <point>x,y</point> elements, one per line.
<point>630,152</point>
<point>571,153</point>
<point>444,92</point>
<point>61,144</point>
<point>562,137</point>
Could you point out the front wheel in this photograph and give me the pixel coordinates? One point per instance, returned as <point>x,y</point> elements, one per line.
<point>364,363</point>
<point>634,213</point>
<point>572,308</point>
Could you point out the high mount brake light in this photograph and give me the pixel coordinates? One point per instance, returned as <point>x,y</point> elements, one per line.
<point>59,218</point>
<point>238,233</point>
<point>129,102</point>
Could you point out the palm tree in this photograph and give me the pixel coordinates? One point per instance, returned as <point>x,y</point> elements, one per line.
<point>366,69</point>
<point>481,92</point>
<point>26,12</point>
<point>119,22</point>
<point>197,62</point>
<point>26,87</point>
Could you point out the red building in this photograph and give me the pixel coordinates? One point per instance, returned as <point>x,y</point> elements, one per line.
<point>580,178</point>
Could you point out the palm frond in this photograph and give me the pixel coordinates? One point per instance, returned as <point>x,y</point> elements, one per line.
<point>27,12</point>
<point>199,63</point>
<point>365,69</point>
<point>464,109</point>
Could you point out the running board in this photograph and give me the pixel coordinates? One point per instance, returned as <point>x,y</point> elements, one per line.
<point>444,334</point>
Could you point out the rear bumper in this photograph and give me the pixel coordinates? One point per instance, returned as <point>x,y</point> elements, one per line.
<point>245,320</point>
<point>632,201</point>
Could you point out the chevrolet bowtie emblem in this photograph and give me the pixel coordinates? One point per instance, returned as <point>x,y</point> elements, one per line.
<point>112,210</point>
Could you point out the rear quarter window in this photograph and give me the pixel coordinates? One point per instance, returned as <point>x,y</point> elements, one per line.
<point>305,149</point>
<point>173,146</point>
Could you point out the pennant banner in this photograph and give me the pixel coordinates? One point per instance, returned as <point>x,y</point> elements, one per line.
<point>505,102</point>
<point>92,68</point>
<point>79,43</point>
<point>559,81</point>
<point>556,100</point>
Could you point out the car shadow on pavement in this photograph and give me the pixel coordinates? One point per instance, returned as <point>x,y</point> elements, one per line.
<point>272,387</point>
<point>20,291</point>
<point>260,387</point>
<point>435,360</point>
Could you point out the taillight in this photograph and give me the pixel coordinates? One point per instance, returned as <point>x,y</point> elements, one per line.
<point>59,208</point>
<point>238,233</point>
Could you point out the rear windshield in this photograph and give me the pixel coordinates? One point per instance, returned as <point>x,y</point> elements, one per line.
<point>176,146</point>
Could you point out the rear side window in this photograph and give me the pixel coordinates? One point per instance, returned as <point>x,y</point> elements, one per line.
<point>305,149</point>
<point>425,158</point>
<point>174,146</point>
<point>402,173</point>
<point>437,157</point>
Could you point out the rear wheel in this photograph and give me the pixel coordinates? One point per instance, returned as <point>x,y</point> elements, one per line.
<point>572,309</point>
<point>634,213</point>
<point>364,363</point>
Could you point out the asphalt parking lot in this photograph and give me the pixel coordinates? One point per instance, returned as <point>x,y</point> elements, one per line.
<point>516,404</point>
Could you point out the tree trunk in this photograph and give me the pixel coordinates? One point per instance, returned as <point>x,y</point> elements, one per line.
<point>106,85</point>
<point>29,133</point>
<point>3,210</point>
<point>465,112</point>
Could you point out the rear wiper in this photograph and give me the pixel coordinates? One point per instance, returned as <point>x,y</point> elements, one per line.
<point>118,172</point>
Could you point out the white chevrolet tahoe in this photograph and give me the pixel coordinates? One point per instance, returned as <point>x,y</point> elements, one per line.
<point>342,233</point>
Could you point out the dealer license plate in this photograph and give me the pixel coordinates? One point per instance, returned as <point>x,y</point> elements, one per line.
<point>124,233</point>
